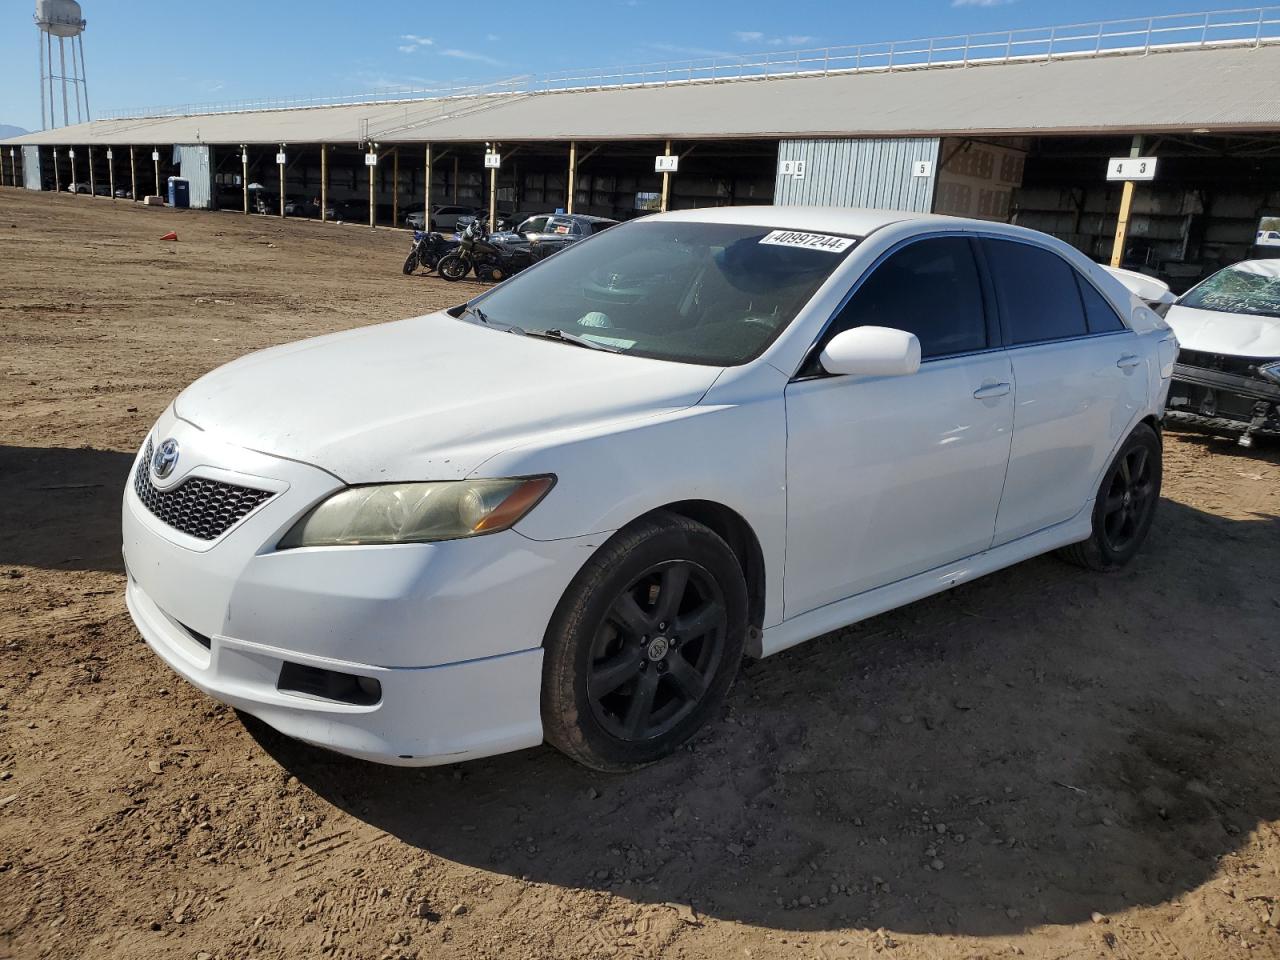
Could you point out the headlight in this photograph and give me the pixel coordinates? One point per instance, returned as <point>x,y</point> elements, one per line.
<point>417,512</point>
<point>1271,371</point>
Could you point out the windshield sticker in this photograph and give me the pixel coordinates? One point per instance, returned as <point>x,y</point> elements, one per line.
<point>808,241</point>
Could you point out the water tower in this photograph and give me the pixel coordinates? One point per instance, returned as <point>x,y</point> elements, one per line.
<point>61,19</point>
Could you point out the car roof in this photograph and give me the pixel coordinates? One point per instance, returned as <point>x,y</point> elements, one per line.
<point>856,221</point>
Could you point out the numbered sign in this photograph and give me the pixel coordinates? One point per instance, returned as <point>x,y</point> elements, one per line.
<point>492,161</point>
<point>665,164</point>
<point>922,168</point>
<point>110,156</point>
<point>244,156</point>
<point>71,152</point>
<point>280,158</point>
<point>1131,168</point>
<point>155,156</point>
<point>371,159</point>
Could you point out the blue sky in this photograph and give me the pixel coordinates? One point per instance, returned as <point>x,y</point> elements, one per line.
<point>156,52</point>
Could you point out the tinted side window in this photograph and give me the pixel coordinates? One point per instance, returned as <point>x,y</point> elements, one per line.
<point>1101,316</point>
<point>1039,299</point>
<point>929,288</point>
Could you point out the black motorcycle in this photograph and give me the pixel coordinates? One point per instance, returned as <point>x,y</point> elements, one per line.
<point>427,250</point>
<point>491,260</point>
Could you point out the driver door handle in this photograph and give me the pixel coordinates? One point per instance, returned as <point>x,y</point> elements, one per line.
<point>991,390</point>
<point>1128,361</point>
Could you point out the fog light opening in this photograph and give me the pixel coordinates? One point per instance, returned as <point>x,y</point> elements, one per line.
<point>329,685</point>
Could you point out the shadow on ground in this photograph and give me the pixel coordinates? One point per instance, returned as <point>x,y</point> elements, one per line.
<point>1027,749</point>
<point>60,507</point>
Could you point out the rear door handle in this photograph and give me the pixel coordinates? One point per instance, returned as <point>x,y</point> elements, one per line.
<point>991,390</point>
<point>1128,361</point>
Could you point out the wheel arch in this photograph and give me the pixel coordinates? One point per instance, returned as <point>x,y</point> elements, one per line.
<point>734,529</point>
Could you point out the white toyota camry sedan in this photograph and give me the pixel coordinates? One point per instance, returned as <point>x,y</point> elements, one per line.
<point>567,509</point>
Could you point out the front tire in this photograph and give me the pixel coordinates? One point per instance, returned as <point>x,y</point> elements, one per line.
<point>411,262</point>
<point>452,267</point>
<point>644,645</point>
<point>1125,506</point>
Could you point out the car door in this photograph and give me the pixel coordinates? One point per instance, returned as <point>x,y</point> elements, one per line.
<point>891,476</point>
<point>1080,383</point>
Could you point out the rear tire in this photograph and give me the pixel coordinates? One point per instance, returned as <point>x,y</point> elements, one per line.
<point>1125,506</point>
<point>644,645</point>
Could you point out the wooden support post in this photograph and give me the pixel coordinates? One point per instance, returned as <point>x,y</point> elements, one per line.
<point>573,176</point>
<point>324,180</point>
<point>372,172</point>
<point>111,172</point>
<point>244,176</point>
<point>155,160</point>
<point>93,186</point>
<point>281,165</point>
<point>57,176</point>
<point>395,186</point>
<point>426,191</point>
<point>455,179</point>
<point>493,199</point>
<point>133,175</point>
<point>1126,205</point>
<point>71,151</point>
<point>666,184</point>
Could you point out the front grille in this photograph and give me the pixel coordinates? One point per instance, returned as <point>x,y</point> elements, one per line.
<point>199,507</point>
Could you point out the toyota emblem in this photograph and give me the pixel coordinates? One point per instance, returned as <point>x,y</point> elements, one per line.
<point>165,459</point>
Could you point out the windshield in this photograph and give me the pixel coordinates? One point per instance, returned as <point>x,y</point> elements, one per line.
<point>711,293</point>
<point>1252,287</point>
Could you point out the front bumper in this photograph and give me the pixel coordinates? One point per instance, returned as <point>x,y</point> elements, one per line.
<point>423,716</point>
<point>1223,400</point>
<point>451,632</point>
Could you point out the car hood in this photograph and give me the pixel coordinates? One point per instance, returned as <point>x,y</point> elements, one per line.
<point>431,398</point>
<point>1233,334</point>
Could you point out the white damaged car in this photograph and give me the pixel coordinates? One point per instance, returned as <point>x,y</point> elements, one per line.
<point>1228,371</point>
<point>568,508</point>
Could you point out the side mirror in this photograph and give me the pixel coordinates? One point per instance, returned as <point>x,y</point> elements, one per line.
<point>872,352</point>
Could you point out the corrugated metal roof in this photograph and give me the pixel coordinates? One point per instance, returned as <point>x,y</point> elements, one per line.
<point>1220,89</point>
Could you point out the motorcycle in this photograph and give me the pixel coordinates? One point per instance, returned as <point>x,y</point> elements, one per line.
<point>427,250</point>
<point>491,260</point>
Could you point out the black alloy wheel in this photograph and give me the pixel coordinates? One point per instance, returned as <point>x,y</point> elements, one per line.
<point>645,643</point>
<point>1125,505</point>
<point>1129,497</point>
<point>656,653</point>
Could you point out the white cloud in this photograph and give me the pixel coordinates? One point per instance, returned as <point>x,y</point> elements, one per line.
<point>677,50</point>
<point>472,56</point>
<point>757,38</point>
<point>411,42</point>
<point>492,37</point>
<point>981,3</point>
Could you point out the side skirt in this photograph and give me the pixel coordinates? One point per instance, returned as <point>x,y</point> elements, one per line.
<point>842,613</point>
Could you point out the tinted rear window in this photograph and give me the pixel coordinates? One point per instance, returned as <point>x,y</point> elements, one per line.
<point>1039,299</point>
<point>1098,312</point>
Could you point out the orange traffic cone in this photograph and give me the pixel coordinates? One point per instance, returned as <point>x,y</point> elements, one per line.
<point>171,235</point>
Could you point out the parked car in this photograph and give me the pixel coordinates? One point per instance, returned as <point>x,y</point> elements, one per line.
<point>561,510</point>
<point>299,206</point>
<point>1228,372</point>
<point>443,218</point>
<point>77,188</point>
<point>559,230</point>
<point>124,193</point>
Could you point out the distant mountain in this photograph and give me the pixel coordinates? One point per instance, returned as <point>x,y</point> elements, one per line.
<point>8,130</point>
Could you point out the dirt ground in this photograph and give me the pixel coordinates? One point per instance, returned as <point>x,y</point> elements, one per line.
<point>1046,763</point>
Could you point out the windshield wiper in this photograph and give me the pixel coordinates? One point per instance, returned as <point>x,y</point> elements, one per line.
<point>475,312</point>
<point>560,335</point>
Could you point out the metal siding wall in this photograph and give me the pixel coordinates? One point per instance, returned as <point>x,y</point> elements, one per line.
<point>874,172</point>
<point>194,161</point>
<point>31,168</point>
